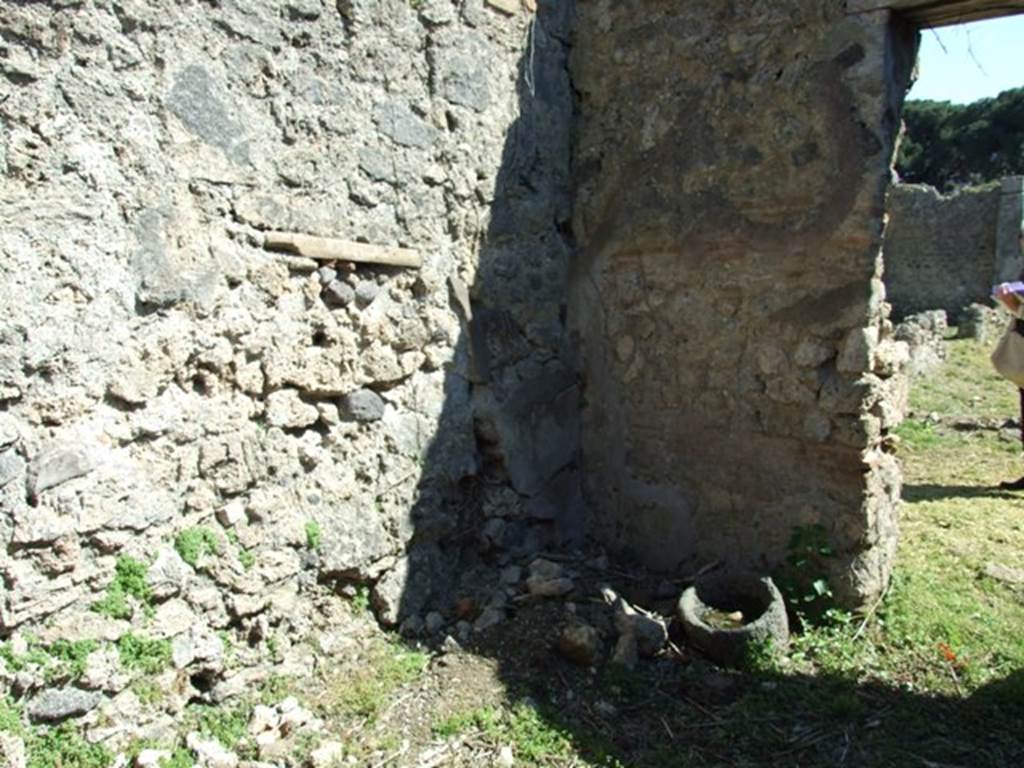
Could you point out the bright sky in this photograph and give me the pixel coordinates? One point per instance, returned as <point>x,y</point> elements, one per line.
<point>980,60</point>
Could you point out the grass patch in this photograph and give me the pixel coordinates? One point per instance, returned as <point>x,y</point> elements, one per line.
<point>228,725</point>
<point>64,747</point>
<point>917,435</point>
<point>10,716</point>
<point>369,688</point>
<point>537,737</point>
<point>533,737</point>
<point>192,544</point>
<point>148,691</point>
<point>180,758</point>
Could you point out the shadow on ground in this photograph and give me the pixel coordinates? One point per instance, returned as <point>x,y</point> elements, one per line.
<point>931,492</point>
<point>680,711</point>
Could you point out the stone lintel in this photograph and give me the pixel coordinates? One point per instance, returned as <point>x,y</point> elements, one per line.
<point>940,13</point>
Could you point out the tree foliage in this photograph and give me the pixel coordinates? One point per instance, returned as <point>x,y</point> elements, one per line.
<point>951,145</point>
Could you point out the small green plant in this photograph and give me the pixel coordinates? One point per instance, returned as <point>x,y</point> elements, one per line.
<point>10,716</point>
<point>229,726</point>
<point>71,657</point>
<point>760,656</point>
<point>149,656</point>
<point>803,579</point>
<point>228,644</point>
<point>148,691</point>
<point>305,743</point>
<point>195,543</point>
<point>274,689</point>
<point>180,758</point>
<point>63,660</point>
<point>361,600</point>
<point>483,719</point>
<point>313,535</point>
<point>247,559</point>
<point>34,655</point>
<point>64,747</point>
<point>129,581</point>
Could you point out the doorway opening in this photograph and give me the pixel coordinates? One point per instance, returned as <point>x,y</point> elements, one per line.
<point>955,216</point>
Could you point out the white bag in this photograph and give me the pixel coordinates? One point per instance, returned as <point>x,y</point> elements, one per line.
<point>1008,356</point>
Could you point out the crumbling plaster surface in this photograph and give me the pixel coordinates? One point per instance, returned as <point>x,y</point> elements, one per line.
<point>160,372</point>
<point>730,172</point>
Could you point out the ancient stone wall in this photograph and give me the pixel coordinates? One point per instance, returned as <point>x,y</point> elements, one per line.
<point>255,428</point>
<point>940,251</point>
<point>730,174</point>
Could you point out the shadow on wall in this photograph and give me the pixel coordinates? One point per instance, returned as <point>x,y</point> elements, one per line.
<point>512,381</point>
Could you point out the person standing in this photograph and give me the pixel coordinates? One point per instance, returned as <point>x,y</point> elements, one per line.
<point>1009,295</point>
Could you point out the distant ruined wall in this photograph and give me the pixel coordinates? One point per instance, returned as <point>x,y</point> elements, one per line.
<point>730,172</point>
<point>940,251</point>
<point>161,373</point>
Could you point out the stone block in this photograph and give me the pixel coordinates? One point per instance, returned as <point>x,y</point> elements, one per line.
<point>286,409</point>
<point>197,100</point>
<point>362,405</point>
<point>56,467</point>
<point>54,705</point>
<point>399,123</point>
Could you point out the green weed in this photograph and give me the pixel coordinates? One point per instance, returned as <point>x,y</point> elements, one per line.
<point>803,578</point>
<point>760,656</point>
<point>361,600</point>
<point>246,558</point>
<point>148,691</point>
<point>61,660</point>
<point>313,535</point>
<point>129,581</point>
<point>149,656</point>
<point>64,747</point>
<point>483,719</point>
<point>10,716</point>
<point>274,689</point>
<point>228,725</point>
<point>195,543</point>
<point>72,655</point>
<point>180,758</point>
<point>35,655</point>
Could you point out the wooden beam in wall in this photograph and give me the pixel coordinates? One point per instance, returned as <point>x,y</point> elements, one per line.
<point>332,249</point>
<point>505,6</point>
<point>941,13</point>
